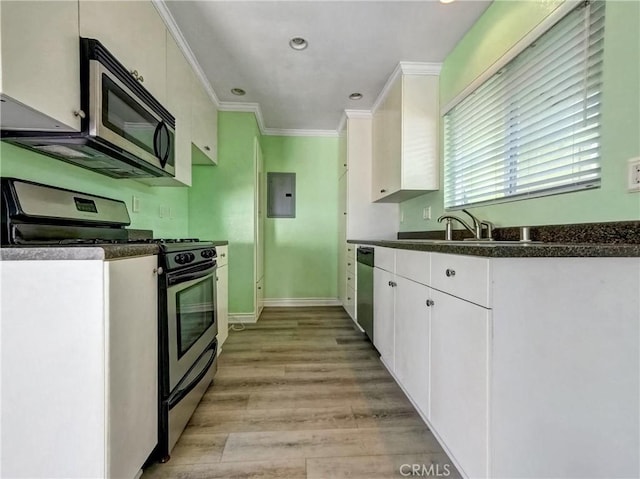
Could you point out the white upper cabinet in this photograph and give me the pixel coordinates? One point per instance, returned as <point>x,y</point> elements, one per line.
<point>405,136</point>
<point>135,34</point>
<point>40,65</point>
<point>205,126</point>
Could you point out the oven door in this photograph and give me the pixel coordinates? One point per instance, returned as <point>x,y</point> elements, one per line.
<point>192,320</point>
<point>118,116</point>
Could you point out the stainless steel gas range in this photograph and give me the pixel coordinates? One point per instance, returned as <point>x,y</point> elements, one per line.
<point>38,215</point>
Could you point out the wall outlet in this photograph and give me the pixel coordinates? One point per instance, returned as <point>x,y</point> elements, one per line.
<point>135,204</point>
<point>633,174</point>
<point>426,213</point>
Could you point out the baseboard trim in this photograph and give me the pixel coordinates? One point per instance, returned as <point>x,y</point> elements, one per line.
<point>301,302</point>
<point>242,318</point>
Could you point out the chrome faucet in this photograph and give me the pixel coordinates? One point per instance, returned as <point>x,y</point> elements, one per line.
<point>477,230</point>
<point>448,232</point>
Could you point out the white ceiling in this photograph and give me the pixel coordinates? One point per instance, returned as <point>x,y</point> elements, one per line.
<point>354,46</point>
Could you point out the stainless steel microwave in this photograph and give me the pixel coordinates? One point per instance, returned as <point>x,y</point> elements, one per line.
<point>125,131</point>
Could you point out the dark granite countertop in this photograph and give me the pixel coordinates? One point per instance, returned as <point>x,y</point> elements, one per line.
<point>497,249</point>
<point>79,252</point>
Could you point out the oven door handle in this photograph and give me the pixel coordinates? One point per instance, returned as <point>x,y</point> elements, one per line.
<point>181,391</point>
<point>184,277</point>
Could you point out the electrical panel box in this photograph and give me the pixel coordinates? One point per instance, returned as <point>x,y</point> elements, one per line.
<point>281,195</point>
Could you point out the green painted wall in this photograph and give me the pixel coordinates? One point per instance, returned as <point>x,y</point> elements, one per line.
<point>301,253</point>
<point>503,24</point>
<point>24,164</point>
<point>221,203</point>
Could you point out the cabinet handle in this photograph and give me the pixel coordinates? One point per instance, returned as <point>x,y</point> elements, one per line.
<point>80,113</point>
<point>141,79</point>
<point>345,213</point>
<point>430,302</point>
<point>450,272</point>
<point>348,279</point>
<point>348,299</point>
<point>259,287</point>
<point>383,191</point>
<point>207,148</point>
<point>134,74</point>
<point>158,271</point>
<point>223,255</point>
<point>348,264</point>
<point>393,284</point>
<point>344,164</point>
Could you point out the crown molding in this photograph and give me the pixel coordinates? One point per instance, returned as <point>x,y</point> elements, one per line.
<point>420,68</point>
<point>406,68</point>
<point>286,132</point>
<point>343,122</point>
<point>247,107</point>
<point>172,26</point>
<point>358,114</point>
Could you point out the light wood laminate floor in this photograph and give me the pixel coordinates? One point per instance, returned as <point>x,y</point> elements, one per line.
<point>302,394</point>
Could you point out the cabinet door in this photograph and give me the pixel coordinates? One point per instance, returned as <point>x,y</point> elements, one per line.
<point>223,302</point>
<point>40,65</point>
<point>412,326</point>
<point>342,239</point>
<point>460,333</point>
<point>179,85</point>
<point>387,123</point>
<point>134,33</point>
<point>132,346</point>
<point>383,315</point>
<point>205,126</point>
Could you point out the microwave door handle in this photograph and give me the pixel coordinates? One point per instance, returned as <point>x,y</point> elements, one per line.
<point>165,157</point>
<point>156,140</point>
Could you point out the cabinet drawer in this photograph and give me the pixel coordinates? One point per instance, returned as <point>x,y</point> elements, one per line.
<point>385,258</point>
<point>414,265</point>
<point>223,255</point>
<point>466,277</point>
<point>351,251</point>
<point>351,280</point>
<point>351,267</point>
<point>350,304</point>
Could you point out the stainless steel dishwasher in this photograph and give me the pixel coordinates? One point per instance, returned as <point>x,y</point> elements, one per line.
<point>365,290</point>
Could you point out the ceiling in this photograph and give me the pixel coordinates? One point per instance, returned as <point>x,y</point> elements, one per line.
<point>353,46</point>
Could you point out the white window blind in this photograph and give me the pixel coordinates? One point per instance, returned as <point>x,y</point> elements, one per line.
<point>533,128</point>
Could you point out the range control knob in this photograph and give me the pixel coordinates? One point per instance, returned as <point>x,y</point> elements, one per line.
<point>184,258</point>
<point>208,253</point>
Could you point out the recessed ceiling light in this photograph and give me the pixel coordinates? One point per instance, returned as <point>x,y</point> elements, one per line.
<point>298,43</point>
<point>446,1</point>
<point>355,96</point>
<point>238,91</point>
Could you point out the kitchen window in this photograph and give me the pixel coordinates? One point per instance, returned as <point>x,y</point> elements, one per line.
<point>532,128</point>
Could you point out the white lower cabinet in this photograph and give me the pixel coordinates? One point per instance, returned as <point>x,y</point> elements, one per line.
<point>411,349</point>
<point>383,314</point>
<point>222,295</point>
<point>459,379</point>
<point>522,367</point>
<point>132,364</point>
<point>82,399</point>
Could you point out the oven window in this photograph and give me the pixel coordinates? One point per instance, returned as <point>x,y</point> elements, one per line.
<point>195,312</point>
